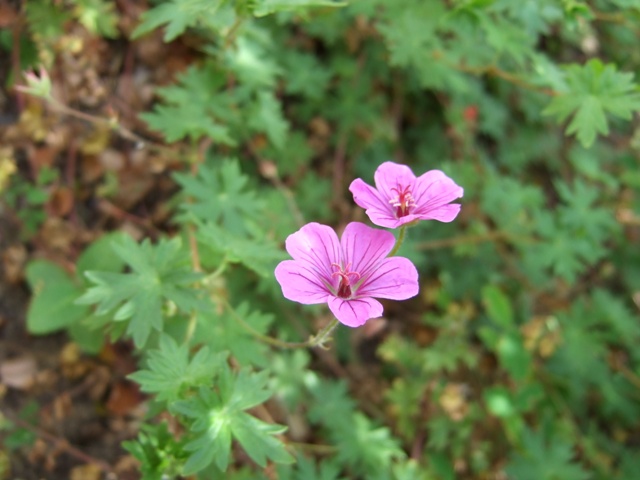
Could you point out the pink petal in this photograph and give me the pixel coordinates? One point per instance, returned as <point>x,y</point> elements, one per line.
<point>445,213</point>
<point>432,191</point>
<point>384,218</point>
<point>355,312</point>
<point>396,278</point>
<point>300,283</point>
<point>391,175</point>
<point>368,197</point>
<point>315,247</point>
<point>365,247</point>
<point>377,208</point>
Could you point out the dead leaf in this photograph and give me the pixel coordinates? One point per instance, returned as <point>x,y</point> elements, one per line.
<point>124,397</point>
<point>18,373</point>
<point>454,402</point>
<point>13,260</point>
<point>60,202</point>
<point>90,471</point>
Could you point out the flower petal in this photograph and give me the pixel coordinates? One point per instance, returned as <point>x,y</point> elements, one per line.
<point>396,278</point>
<point>445,213</point>
<point>355,312</point>
<point>368,197</point>
<point>393,175</point>
<point>435,190</point>
<point>315,247</point>
<point>377,208</point>
<point>300,283</point>
<point>365,247</point>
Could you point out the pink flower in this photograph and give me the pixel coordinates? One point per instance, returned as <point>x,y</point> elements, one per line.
<point>345,273</point>
<point>400,198</point>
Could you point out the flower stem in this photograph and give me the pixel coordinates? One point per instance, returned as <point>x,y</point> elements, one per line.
<point>403,232</point>
<point>323,335</point>
<point>314,341</point>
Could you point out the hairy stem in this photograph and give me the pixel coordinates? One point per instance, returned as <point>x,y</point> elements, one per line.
<point>401,235</point>
<point>314,341</point>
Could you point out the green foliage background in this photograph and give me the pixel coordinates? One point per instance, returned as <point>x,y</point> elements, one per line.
<point>519,359</point>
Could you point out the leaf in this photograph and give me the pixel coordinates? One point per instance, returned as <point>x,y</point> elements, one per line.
<point>307,469</point>
<point>177,15</point>
<point>365,446</point>
<point>593,90</point>
<point>544,460</point>
<point>409,30</point>
<point>224,333</point>
<point>257,254</point>
<point>159,273</point>
<point>158,452</point>
<point>498,306</point>
<point>100,256</point>
<point>219,194</point>
<point>218,416</point>
<point>267,117</point>
<point>170,372</point>
<point>89,339</point>
<point>499,402</point>
<point>46,20</point>
<point>98,16</point>
<point>52,306</point>
<point>359,442</point>
<point>267,7</point>
<point>291,370</point>
<point>513,356</point>
<point>195,107</point>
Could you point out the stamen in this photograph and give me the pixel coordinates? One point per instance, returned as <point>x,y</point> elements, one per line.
<point>403,201</point>
<point>344,287</point>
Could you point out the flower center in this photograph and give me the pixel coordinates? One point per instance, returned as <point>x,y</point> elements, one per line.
<point>344,288</point>
<point>403,200</point>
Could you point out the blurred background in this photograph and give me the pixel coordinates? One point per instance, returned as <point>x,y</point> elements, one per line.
<point>520,357</point>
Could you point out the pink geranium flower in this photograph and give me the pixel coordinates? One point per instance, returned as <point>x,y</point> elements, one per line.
<point>345,273</point>
<point>400,198</point>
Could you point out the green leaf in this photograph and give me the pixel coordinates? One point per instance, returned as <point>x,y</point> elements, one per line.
<point>221,195</point>
<point>52,306</point>
<point>195,107</point>
<point>178,15</point>
<point>544,460</point>
<point>218,416</point>
<point>498,306</point>
<point>224,333</point>
<point>499,402</point>
<point>46,19</point>
<point>98,16</point>
<point>593,90</point>
<point>159,453</point>
<point>267,7</point>
<point>409,30</point>
<point>258,254</point>
<point>170,372</point>
<point>307,469</point>
<point>267,117</point>
<point>100,256</point>
<point>159,273</point>
<point>513,356</point>
<point>89,339</point>
<point>360,443</point>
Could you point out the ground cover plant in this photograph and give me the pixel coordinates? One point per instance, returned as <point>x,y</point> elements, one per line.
<point>315,239</point>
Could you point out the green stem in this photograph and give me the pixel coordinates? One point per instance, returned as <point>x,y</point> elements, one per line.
<point>323,335</point>
<point>191,328</point>
<point>314,341</point>
<point>401,235</point>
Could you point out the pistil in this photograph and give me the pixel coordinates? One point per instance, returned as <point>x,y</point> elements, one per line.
<point>344,287</point>
<point>403,201</point>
